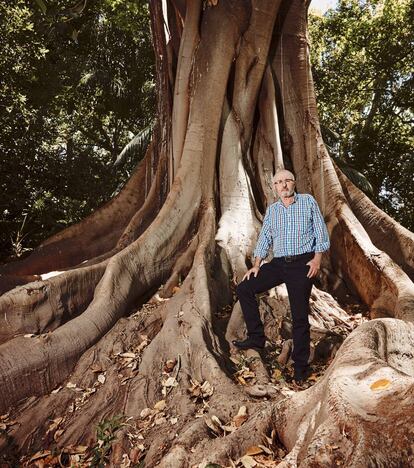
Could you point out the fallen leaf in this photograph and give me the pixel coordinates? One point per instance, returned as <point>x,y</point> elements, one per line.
<point>381,384</point>
<point>241,416</point>
<point>241,380</point>
<point>29,335</point>
<point>207,389</point>
<point>248,462</point>
<point>170,382</point>
<point>213,426</point>
<point>74,449</point>
<point>128,355</point>
<point>57,434</point>
<point>56,390</point>
<point>145,413</point>
<point>277,374</point>
<point>254,450</point>
<point>265,449</point>
<point>160,420</point>
<point>169,365</point>
<point>55,424</point>
<point>70,385</point>
<point>96,368</point>
<point>41,454</point>
<point>101,378</point>
<point>173,421</point>
<point>160,405</point>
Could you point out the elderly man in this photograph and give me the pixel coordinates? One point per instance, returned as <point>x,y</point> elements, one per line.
<point>295,228</point>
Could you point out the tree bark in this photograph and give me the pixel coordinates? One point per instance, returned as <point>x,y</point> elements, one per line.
<point>133,311</point>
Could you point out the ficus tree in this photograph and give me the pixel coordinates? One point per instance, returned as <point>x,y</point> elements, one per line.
<point>126,306</point>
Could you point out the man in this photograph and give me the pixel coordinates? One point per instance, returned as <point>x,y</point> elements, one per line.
<point>295,228</point>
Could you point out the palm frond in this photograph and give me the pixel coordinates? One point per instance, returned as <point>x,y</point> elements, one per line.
<point>136,146</point>
<point>356,177</point>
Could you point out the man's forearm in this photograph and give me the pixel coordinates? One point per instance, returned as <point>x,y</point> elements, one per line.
<point>318,256</point>
<point>257,262</point>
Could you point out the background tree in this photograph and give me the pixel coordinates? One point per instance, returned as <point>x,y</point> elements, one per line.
<point>129,311</point>
<point>77,84</point>
<point>364,51</point>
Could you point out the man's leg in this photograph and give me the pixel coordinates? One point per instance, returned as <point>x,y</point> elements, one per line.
<point>267,278</point>
<point>299,288</point>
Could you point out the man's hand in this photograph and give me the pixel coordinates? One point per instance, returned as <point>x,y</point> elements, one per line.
<point>315,265</point>
<point>254,270</point>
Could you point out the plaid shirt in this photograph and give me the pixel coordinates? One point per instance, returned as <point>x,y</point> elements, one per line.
<point>297,229</point>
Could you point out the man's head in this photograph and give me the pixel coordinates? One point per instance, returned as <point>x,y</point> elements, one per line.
<point>284,183</point>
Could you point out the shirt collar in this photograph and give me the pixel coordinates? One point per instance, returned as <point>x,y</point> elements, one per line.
<point>295,199</point>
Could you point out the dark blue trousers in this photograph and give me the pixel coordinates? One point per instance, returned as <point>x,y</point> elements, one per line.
<point>293,274</point>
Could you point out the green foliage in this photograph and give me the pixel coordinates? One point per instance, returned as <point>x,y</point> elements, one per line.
<point>76,85</point>
<point>362,56</point>
<point>105,434</point>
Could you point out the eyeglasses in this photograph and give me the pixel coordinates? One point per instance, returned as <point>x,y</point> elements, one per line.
<point>282,182</point>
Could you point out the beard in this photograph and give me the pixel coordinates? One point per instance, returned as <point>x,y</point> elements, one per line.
<point>287,193</point>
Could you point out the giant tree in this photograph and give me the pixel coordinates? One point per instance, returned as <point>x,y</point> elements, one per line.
<point>235,102</point>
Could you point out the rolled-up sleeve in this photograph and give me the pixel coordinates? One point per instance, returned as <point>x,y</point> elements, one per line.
<point>321,232</point>
<point>265,237</point>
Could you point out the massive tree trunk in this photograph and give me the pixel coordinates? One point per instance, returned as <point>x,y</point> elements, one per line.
<point>132,311</point>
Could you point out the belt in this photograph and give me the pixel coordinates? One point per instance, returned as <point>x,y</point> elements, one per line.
<point>293,258</point>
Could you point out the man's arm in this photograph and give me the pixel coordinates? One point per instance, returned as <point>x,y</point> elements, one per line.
<point>321,237</point>
<point>262,247</point>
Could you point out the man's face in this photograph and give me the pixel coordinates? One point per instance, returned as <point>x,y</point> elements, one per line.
<point>284,184</point>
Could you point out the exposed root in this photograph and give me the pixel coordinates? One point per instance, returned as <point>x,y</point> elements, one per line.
<point>83,398</point>
<point>181,268</point>
<point>359,411</point>
<point>43,306</point>
<point>384,231</point>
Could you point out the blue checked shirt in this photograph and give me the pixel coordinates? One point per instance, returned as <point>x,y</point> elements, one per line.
<point>297,229</point>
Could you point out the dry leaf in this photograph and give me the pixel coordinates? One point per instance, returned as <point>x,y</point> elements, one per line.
<point>277,374</point>
<point>128,355</point>
<point>241,380</point>
<point>241,416</point>
<point>74,449</point>
<point>216,420</point>
<point>265,449</point>
<point>145,413</point>
<point>41,454</point>
<point>169,365</point>
<point>170,382</point>
<point>56,390</point>
<point>160,405</point>
<point>381,384</point>
<point>71,385</point>
<point>173,421</point>
<point>101,378</point>
<point>160,420</point>
<point>55,424</point>
<point>254,450</point>
<point>247,461</point>
<point>213,425</point>
<point>29,335</point>
<point>57,434</point>
<point>142,346</point>
<point>207,389</point>
<point>96,368</point>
